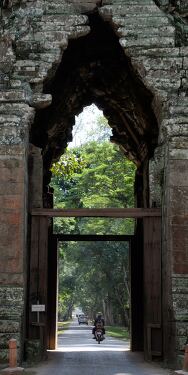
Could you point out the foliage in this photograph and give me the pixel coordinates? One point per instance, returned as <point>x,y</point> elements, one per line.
<point>63,326</point>
<point>100,271</point>
<point>118,332</point>
<point>68,164</point>
<point>94,275</point>
<point>105,179</point>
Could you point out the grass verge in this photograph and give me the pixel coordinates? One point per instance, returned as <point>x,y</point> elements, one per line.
<point>62,326</point>
<point>118,332</point>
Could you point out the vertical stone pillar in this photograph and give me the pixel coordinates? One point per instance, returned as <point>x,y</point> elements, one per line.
<point>35,166</point>
<point>156,170</point>
<point>175,247</point>
<point>13,228</point>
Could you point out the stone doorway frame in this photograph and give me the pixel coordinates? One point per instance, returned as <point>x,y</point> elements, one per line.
<point>146,331</point>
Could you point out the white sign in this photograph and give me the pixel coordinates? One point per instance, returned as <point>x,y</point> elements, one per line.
<point>37,308</point>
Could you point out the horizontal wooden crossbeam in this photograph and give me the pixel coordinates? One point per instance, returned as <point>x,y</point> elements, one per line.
<point>98,212</point>
<point>92,237</point>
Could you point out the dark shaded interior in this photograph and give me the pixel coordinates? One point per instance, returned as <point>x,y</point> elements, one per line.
<point>94,69</point>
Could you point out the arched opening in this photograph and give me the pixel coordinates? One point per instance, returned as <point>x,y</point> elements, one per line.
<point>94,69</point>
<point>94,266</point>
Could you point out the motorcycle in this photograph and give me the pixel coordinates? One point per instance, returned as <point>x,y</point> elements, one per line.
<point>99,335</point>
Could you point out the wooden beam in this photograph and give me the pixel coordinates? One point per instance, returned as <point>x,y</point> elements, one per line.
<point>52,292</point>
<point>133,213</point>
<point>152,287</point>
<point>92,237</point>
<point>38,277</point>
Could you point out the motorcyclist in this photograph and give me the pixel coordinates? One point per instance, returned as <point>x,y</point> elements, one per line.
<point>99,321</point>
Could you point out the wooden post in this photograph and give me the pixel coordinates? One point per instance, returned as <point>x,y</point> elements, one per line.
<point>185,364</point>
<point>38,283</point>
<point>152,287</point>
<point>136,272</point>
<point>12,353</point>
<point>52,292</point>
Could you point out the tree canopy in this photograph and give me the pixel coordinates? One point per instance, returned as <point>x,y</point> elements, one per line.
<point>94,275</point>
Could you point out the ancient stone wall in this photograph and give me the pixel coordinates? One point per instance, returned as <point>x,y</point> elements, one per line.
<point>163,68</point>
<point>34,36</point>
<point>31,47</point>
<point>177,11</point>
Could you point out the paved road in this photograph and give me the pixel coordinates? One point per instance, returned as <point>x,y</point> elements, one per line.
<point>79,354</point>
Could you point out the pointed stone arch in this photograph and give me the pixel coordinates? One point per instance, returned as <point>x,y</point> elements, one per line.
<point>35,37</point>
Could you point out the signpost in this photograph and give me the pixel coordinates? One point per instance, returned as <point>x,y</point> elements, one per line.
<point>38,308</point>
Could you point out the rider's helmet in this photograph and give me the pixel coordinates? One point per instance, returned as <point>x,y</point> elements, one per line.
<point>99,315</point>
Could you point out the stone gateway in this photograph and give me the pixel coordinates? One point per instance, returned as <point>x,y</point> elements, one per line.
<point>130,58</point>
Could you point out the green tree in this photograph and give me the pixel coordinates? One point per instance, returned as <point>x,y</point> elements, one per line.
<point>94,275</point>
<point>103,179</point>
<point>101,273</point>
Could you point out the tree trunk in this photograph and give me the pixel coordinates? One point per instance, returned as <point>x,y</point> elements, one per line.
<point>109,319</point>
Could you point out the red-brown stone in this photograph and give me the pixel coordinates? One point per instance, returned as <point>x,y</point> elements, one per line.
<point>181,268</point>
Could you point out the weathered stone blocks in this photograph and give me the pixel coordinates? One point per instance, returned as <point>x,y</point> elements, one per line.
<point>35,36</point>
<point>7,56</point>
<point>180,292</point>
<point>11,315</point>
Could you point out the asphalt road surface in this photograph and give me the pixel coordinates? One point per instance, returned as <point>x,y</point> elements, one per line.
<point>79,354</point>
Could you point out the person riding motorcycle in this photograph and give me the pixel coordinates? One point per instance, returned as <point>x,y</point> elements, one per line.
<point>99,321</point>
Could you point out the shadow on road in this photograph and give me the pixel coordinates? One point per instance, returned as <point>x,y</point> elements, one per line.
<point>79,354</point>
